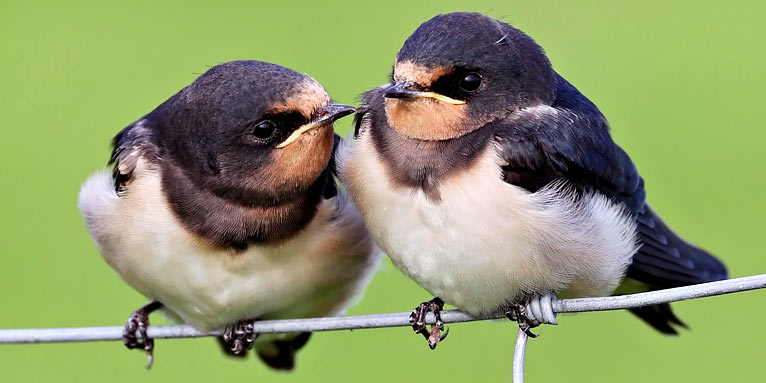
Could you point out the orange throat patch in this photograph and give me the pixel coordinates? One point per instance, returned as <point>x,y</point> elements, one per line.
<point>428,119</point>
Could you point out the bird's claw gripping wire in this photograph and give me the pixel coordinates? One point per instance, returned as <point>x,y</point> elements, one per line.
<point>137,324</point>
<point>536,311</point>
<point>240,336</point>
<point>418,322</point>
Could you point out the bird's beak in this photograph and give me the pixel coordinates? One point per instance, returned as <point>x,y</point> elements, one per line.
<point>409,91</point>
<point>327,116</point>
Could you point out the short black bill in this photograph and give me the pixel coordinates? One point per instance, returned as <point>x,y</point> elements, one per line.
<point>406,90</point>
<point>328,115</point>
<point>331,113</point>
<point>410,91</point>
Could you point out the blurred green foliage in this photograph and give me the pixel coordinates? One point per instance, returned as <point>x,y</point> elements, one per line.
<point>681,83</point>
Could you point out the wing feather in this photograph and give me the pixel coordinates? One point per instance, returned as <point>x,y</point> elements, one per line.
<point>129,145</point>
<point>570,141</point>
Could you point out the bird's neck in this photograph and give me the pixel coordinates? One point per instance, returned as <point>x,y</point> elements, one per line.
<point>425,164</point>
<point>226,223</point>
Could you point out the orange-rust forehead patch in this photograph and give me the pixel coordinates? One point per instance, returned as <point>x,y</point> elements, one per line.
<point>423,76</point>
<point>306,98</point>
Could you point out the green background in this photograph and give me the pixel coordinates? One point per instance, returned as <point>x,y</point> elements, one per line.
<point>682,85</point>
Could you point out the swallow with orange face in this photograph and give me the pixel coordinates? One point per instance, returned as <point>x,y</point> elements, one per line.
<point>494,183</point>
<point>222,208</point>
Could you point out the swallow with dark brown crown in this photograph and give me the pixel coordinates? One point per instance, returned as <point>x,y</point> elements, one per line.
<point>495,184</point>
<point>222,209</point>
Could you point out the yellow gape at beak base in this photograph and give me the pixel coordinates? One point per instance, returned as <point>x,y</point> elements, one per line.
<point>441,97</point>
<point>297,133</point>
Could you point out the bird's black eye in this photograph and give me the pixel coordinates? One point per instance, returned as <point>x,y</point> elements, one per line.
<point>264,130</point>
<point>471,82</point>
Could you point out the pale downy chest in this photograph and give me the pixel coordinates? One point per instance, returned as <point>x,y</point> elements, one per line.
<point>487,243</point>
<point>314,274</point>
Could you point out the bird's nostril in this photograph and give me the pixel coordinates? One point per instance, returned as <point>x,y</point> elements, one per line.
<point>412,86</point>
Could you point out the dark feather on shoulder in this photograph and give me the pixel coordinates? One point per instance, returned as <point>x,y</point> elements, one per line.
<point>130,144</point>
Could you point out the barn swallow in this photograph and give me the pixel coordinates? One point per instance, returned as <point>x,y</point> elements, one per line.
<point>222,208</point>
<point>493,183</point>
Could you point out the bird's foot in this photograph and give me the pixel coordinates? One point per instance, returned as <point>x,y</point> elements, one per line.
<point>137,325</point>
<point>536,311</point>
<point>240,336</point>
<point>418,322</point>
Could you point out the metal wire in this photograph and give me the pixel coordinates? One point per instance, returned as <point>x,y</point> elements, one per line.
<point>89,334</point>
<point>519,352</point>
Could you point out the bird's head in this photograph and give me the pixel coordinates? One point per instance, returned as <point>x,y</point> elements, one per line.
<point>459,71</point>
<point>250,131</point>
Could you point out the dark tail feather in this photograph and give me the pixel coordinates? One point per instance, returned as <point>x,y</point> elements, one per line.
<point>661,317</point>
<point>280,354</point>
<point>665,260</point>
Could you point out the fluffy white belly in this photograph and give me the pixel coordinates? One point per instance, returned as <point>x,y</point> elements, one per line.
<point>315,274</point>
<point>488,243</point>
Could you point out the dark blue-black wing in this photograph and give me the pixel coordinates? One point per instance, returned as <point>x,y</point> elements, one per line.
<point>666,260</point>
<point>570,140</point>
